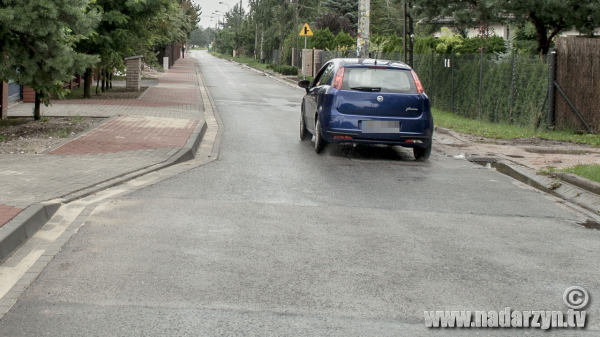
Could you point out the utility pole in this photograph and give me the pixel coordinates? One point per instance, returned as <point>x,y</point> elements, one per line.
<point>362,40</point>
<point>295,43</point>
<point>282,30</point>
<point>411,36</point>
<point>262,41</point>
<point>404,35</point>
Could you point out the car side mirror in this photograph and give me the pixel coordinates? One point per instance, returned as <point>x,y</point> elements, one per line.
<point>304,84</point>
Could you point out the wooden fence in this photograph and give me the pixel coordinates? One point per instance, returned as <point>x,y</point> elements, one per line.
<point>578,75</point>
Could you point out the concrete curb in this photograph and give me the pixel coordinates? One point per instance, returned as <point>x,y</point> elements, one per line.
<point>188,152</point>
<point>14,233</point>
<point>581,182</point>
<point>551,185</point>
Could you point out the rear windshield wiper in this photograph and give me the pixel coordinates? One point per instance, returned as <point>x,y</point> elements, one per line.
<point>372,89</point>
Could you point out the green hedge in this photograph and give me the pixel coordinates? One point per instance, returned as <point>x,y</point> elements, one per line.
<point>283,69</point>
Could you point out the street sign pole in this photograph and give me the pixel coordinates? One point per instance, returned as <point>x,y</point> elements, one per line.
<point>304,51</point>
<point>305,32</point>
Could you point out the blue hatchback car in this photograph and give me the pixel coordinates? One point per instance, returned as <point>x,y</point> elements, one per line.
<point>367,101</point>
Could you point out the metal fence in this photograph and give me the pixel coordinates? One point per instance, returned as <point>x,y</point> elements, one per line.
<point>507,88</point>
<point>272,56</point>
<point>504,88</point>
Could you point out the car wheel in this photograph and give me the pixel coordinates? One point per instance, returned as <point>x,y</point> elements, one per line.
<point>422,154</point>
<point>304,134</point>
<point>319,141</point>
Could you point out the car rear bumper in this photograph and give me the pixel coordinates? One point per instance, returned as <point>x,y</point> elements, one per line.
<point>414,131</point>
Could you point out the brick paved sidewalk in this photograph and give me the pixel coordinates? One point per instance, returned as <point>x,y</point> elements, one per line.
<point>142,132</point>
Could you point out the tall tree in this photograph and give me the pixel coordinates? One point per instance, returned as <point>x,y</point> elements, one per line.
<point>37,40</point>
<point>549,17</point>
<point>348,8</point>
<point>136,27</point>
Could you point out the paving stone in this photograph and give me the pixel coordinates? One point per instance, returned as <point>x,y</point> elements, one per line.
<point>147,131</point>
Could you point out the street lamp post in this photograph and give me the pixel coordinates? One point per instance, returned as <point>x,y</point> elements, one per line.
<point>222,3</point>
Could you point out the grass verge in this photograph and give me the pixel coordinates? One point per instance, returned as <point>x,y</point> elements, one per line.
<point>505,131</point>
<point>591,172</point>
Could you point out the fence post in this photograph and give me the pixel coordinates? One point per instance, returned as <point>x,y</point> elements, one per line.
<point>452,69</point>
<point>3,100</point>
<point>551,91</point>
<point>512,85</point>
<point>480,83</point>
<point>431,83</point>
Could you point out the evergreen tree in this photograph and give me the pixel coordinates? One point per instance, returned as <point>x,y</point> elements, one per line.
<point>348,8</point>
<point>37,39</point>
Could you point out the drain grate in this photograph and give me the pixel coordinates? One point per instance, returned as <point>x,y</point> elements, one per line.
<point>483,159</point>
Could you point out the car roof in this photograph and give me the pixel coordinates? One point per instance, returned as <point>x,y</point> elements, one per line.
<point>371,62</point>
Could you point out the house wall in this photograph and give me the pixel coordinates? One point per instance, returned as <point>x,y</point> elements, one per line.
<point>506,31</point>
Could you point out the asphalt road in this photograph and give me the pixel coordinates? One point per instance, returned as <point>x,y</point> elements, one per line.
<point>273,239</point>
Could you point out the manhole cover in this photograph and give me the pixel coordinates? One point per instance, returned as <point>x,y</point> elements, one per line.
<point>483,159</point>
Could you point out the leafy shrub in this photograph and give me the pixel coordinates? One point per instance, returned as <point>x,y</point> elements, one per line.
<point>283,69</point>
<point>344,40</point>
<point>287,70</point>
<point>322,39</point>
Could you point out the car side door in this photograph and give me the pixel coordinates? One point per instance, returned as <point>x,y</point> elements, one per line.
<point>312,97</point>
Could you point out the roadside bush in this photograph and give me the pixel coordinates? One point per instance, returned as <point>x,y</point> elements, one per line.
<point>288,70</point>
<point>283,69</point>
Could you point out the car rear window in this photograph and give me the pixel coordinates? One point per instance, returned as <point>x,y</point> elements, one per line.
<point>389,80</point>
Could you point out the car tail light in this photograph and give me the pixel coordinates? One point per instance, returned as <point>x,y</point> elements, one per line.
<point>342,137</point>
<point>338,79</point>
<point>377,67</point>
<point>417,82</point>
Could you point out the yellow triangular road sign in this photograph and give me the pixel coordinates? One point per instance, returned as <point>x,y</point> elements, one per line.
<point>306,31</point>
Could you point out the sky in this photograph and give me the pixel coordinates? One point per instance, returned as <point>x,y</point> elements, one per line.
<point>209,6</point>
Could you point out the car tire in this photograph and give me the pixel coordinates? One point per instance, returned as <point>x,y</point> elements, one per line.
<point>304,134</point>
<point>422,153</point>
<point>319,141</point>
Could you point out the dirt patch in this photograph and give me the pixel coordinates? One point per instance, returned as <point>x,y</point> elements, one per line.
<point>26,136</point>
<point>114,93</point>
<point>535,153</point>
<point>533,141</point>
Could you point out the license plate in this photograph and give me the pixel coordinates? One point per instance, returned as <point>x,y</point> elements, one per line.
<point>380,126</point>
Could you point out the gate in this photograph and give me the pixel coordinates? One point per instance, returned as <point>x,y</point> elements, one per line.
<point>577,84</point>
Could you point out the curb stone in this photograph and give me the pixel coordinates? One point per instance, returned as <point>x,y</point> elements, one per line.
<point>14,233</point>
<point>581,182</point>
<point>551,186</point>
